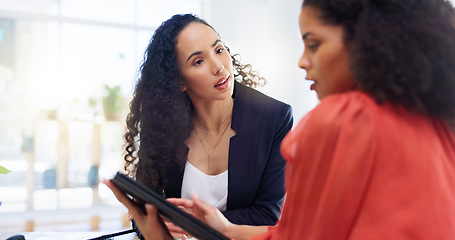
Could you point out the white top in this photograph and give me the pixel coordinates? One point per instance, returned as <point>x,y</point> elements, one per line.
<point>210,188</point>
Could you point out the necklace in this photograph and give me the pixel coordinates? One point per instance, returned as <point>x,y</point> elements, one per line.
<point>216,144</point>
<point>221,123</point>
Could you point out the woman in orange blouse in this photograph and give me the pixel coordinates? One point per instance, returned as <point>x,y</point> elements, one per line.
<point>376,158</point>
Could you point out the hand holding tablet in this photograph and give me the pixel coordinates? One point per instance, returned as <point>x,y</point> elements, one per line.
<point>143,194</point>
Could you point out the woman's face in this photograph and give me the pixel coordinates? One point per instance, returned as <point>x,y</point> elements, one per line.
<point>325,58</point>
<point>204,63</point>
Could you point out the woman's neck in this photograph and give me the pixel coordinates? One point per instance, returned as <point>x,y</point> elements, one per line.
<point>212,116</point>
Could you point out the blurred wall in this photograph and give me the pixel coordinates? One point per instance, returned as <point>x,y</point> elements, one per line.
<point>266,34</point>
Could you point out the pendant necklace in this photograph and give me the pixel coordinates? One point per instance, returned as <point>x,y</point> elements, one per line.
<point>216,144</point>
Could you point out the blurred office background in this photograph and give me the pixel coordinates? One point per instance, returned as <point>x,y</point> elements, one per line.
<point>67,71</point>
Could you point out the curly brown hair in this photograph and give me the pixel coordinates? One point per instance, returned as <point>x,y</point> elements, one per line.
<point>402,51</point>
<point>160,118</point>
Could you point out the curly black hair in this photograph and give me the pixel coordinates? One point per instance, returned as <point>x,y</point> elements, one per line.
<point>402,51</point>
<point>160,117</point>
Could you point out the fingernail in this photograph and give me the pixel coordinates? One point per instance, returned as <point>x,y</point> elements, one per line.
<point>195,196</point>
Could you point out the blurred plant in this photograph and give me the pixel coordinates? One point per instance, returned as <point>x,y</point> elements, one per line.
<point>113,103</point>
<point>4,170</point>
<point>92,102</point>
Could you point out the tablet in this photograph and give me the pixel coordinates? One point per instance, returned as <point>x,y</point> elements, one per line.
<point>166,209</point>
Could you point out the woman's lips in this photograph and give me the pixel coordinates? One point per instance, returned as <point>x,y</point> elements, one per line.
<point>313,86</point>
<point>223,82</point>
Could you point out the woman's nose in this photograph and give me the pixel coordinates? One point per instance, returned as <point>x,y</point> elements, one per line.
<point>218,67</point>
<point>304,63</point>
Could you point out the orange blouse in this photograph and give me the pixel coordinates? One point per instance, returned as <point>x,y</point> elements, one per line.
<point>362,171</point>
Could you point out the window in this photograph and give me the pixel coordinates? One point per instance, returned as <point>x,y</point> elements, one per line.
<point>58,59</point>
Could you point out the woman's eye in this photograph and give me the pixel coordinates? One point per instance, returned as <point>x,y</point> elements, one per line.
<point>313,47</point>
<point>198,62</point>
<point>219,50</point>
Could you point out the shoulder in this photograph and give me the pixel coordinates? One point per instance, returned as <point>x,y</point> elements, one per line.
<point>340,109</point>
<point>351,112</point>
<point>347,119</point>
<point>252,98</point>
<point>255,109</point>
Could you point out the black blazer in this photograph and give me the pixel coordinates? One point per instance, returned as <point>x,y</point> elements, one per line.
<point>256,167</point>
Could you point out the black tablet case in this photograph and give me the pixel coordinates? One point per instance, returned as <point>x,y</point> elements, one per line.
<point>168,210</point>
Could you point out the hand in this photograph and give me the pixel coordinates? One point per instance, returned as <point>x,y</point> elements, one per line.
<point>175,231</point>
<point>215,219</point>
<point>149,223</point>
<point>204,212</point>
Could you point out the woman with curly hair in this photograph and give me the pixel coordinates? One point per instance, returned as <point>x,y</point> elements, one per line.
<point>196,125</point>
<point>376,158</point>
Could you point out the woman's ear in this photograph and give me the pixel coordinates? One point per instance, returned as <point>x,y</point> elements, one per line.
<point>182,87</point>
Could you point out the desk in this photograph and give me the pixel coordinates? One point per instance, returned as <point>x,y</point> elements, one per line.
<point>65,235</point>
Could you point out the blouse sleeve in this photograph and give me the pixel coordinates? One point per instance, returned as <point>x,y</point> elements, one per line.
<point>330,160</point>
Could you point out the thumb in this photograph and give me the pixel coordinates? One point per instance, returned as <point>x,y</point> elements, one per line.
<point>151,209</point>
